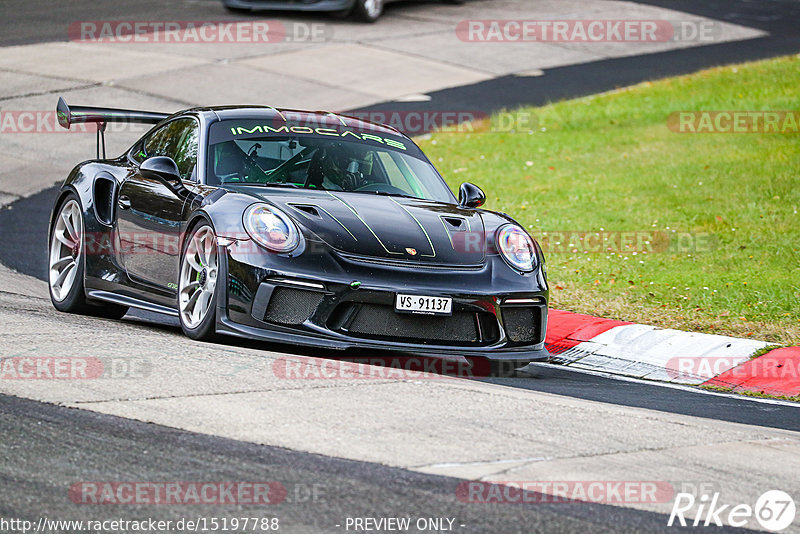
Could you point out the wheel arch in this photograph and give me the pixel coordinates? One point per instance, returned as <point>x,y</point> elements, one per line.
<point>66,191</point>
<point>81,182</point>
<point>192,221</point>
<point>209,330</point>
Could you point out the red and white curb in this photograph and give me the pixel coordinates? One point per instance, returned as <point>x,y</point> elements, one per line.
<point>667,355</point>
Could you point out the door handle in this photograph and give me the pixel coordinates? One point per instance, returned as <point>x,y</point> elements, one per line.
<point>124,202</point>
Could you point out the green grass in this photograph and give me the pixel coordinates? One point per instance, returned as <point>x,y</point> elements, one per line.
<point>610,162</point>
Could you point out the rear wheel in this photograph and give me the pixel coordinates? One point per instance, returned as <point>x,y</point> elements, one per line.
<point>197,290</point>
<point>67,264</point>
<point>368,10</point>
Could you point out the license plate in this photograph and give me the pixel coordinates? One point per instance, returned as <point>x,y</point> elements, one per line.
<point>423,304</point>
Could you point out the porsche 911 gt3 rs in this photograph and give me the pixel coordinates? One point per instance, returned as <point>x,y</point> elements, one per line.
<point>308,228</point>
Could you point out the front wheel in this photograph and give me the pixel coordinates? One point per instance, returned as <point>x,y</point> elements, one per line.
<point>197,290</point>
<point>368,10</point>
<point>67,264</point>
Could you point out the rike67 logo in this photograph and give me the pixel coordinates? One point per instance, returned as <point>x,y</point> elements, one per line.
<point>774,510</point>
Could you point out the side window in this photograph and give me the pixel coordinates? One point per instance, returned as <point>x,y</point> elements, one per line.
<point>137,152</point>
<point>162,141</point>
<point>178,140</point>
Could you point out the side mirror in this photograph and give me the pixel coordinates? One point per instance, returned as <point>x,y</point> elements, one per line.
<point>470,196</point>
<point>163,169</point>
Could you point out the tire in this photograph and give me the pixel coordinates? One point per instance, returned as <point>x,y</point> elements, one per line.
<point>368,10</point>
<point>197,283</point>
<point>66,262</point>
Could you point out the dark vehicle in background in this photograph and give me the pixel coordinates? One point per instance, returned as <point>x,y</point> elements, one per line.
<point>364,10</point>
<point>307,228</point>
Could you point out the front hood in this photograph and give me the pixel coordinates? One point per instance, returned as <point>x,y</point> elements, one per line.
<point>384,227</point>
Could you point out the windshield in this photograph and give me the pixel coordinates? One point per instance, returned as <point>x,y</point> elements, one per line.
<point>332,159</point>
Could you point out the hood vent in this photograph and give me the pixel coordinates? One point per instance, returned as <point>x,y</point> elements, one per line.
<point>455,223</point>
<point>306,209</point>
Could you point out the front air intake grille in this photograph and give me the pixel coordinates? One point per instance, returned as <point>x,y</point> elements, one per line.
<point>378,321</point>
<point>523,324</point>
<point>290,306</point>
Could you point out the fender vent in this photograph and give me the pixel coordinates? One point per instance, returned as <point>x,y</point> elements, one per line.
<point>104,199</point>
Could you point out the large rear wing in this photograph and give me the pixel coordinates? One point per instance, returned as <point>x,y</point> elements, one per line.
<point>69,115</point>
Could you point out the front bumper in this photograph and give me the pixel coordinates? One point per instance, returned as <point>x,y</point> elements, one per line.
<point>290,5</point>
<point>309,301</point>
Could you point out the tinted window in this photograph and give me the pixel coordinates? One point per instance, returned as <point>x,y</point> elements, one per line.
<point>178,140</point>
<point>137,152</point>
<point>323,158</point>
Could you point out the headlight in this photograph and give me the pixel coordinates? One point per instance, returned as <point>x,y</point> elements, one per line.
<point>271,228</point>
<point>516,247</point>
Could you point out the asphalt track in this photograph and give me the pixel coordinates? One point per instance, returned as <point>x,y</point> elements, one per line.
<point>25,250</point>
<point>31,21</point>
<point>781,18</point>
<point>41,21</point>
<point>25,221</point>
<point>321,492</point>
<point>101,447</point>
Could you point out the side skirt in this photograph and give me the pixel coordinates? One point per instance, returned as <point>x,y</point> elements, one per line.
<point>132,302</point>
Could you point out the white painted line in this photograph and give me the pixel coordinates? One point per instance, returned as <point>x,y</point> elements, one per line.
<point>417,97</point>
<point>670,385</point>
<point>490,462</point>
<point>533,73</point>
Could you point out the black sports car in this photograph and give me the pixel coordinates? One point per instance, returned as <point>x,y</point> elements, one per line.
<point>309,228</point>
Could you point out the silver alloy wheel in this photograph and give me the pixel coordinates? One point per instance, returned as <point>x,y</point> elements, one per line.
<point>373,7</point>
<point>65,250</point>
<point>198,277</point>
